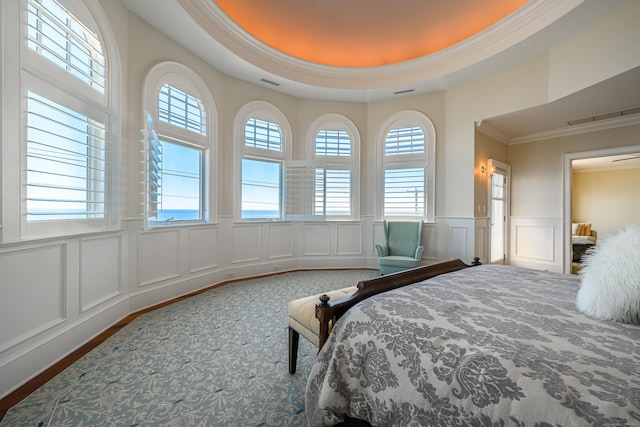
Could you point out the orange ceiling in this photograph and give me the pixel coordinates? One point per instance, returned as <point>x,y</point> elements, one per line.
<point>364,33</point>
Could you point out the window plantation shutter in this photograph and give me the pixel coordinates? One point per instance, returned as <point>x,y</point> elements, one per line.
<point>404,172</point>
<point>337,193</point>
<point>333,143</point>
<point>304,181</point>
<point>151,180</point>
<point>262,134</point>
<point>404,141</point>
<point>404,191</point>
<point>181,109</point>
<point>58,36</point>
<point>66,162</point>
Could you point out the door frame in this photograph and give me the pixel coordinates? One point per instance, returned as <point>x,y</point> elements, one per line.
<point>494,165</point>
<point>567,183</point>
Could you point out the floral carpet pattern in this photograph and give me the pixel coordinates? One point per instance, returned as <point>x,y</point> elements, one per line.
<point>216,359</point>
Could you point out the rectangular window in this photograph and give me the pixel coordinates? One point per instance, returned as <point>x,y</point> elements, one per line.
<point>404,192</point>
<point>179,195</point>
<point>261,184</point>
<point>66,162</point>
<point>334,197</point>
<point>404,141</point>
<point>174,180</point>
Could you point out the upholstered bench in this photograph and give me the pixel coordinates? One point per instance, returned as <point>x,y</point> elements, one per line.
<point>302,320</point>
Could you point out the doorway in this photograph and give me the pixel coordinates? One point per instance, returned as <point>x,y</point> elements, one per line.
<point>625,152</point>
<point>498,203</point>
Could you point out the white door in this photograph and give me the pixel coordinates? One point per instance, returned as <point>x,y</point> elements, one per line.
<point>499,211</point>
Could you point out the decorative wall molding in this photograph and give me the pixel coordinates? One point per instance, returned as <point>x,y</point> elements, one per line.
<point>145,268</point>
<point>595,126</point>
<point>246,242</point>
<point>280,241</point>
<point>536,243</point>
<point>316,239</point>
<point>100,270</point>
<point>158,256</point>
<point>456,238</point>
<point>203,248</point>
<point>34,295</point>
<point>482,242</point>
<point>349,239</point>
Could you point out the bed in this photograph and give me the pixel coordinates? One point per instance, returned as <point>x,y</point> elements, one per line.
<point>580,245</point>
<point>487,345</point>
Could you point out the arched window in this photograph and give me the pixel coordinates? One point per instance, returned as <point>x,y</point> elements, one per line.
<point>263,138</point>
<point>177,147</point>
<point>68,124</point>
<point>333,145</point>
<point>407,152</point>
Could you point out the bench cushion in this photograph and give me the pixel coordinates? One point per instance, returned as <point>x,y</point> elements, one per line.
<point>302,313</point>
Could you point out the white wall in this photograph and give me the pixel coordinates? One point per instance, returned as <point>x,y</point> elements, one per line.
<point>537,198</point>
<point>595,53</point>
<point>58,293</point>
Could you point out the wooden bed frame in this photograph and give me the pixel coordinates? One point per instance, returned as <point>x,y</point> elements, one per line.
<point>331,311</point>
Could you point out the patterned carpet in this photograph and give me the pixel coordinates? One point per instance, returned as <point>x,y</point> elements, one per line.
<point>215,359</point>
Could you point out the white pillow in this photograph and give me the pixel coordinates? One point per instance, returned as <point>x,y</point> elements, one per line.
<point>610,286</point>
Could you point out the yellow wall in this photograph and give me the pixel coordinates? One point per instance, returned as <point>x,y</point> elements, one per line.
<point>486,148</point>
<point>608,199</point>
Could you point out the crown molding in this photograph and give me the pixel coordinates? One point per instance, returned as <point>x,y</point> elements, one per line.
<point>526,21</point>
<point>492,132</point>
<point>578,129</point>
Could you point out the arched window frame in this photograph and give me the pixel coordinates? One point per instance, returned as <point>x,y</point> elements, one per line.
<point>264,111</point>
<point>24,72</point>
<point>400,120</point>
<point>183,78</point>
<point>338,122</point>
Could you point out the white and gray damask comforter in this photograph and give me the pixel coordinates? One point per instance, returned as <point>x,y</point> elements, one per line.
<point>485,346</point>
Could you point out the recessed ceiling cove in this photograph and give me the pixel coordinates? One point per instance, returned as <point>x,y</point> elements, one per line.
<point>364,33</point>
<point>367,45</point>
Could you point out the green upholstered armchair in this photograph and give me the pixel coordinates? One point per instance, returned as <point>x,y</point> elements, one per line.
<point>402,249</point>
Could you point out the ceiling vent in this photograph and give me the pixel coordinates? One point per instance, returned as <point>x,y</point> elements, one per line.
<point>604,117</point>
<point>400,92</point>
<point>270,82</point>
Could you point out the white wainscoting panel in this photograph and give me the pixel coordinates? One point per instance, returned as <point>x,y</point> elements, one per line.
<point>430,242</point>
<point>482,249</point>
<point>317,239</point>
<point>378,237</point>
<point>158,256</point>
<point>100,270</point>
<point>203,248</point>
<point>33,292</point>
<point>246,242</point>
<point>456,238</point>
<point>348,239</point>
<point>459,242</point>
<point>536,243</point>
<point>280,240</point>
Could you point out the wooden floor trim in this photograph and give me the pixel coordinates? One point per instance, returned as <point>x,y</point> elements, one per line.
<point>39,380</point>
